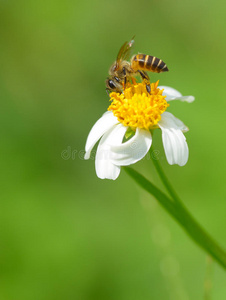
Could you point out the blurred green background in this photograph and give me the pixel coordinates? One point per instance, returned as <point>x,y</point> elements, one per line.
<point>64,233</point>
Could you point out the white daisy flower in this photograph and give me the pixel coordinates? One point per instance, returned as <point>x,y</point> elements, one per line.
<point>136,110</point>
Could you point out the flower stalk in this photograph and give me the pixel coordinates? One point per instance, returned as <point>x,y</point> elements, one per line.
<point>175,207</point>
<point>164,179</point>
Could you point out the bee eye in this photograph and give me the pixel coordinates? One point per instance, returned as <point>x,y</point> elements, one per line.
<point>111,84</point>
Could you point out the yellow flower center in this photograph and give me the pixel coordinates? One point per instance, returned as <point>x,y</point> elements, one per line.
<point>137,108</point>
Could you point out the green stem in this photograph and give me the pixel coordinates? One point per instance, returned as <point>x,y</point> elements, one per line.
<point>164,179</point>
<point>187,217</point>
<point>183,217</point>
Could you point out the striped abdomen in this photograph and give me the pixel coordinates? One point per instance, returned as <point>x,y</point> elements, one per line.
<point>148,63</point>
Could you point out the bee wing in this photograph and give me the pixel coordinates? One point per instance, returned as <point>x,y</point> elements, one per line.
<point>125,50</point>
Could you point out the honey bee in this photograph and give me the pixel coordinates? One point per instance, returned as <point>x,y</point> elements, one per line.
<point>122,71</point>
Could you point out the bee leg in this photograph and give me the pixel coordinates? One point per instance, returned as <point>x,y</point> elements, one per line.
<point>148,88</point>
<point>146,80</point>
<point>107,91</point>
<point>125,79</point>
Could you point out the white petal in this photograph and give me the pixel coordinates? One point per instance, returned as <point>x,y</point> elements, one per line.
<point>172,94</point>
<point>169,92</point>
<point>132,151</point>
<point>168,120</point>
<point>100,127</point>
<point>104,167</point>
<point>174,141</point>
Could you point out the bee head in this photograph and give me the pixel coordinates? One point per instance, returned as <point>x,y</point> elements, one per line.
<point>113,84</point>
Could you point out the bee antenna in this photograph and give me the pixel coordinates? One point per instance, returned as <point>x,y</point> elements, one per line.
<point>132,40</point>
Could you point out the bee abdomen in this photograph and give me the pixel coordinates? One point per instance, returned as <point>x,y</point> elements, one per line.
<point>148,63</point>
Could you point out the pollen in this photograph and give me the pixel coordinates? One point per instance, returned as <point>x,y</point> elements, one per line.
<point>135,107</point>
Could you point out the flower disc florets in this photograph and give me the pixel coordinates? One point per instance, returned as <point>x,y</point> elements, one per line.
<point>135,107</point>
